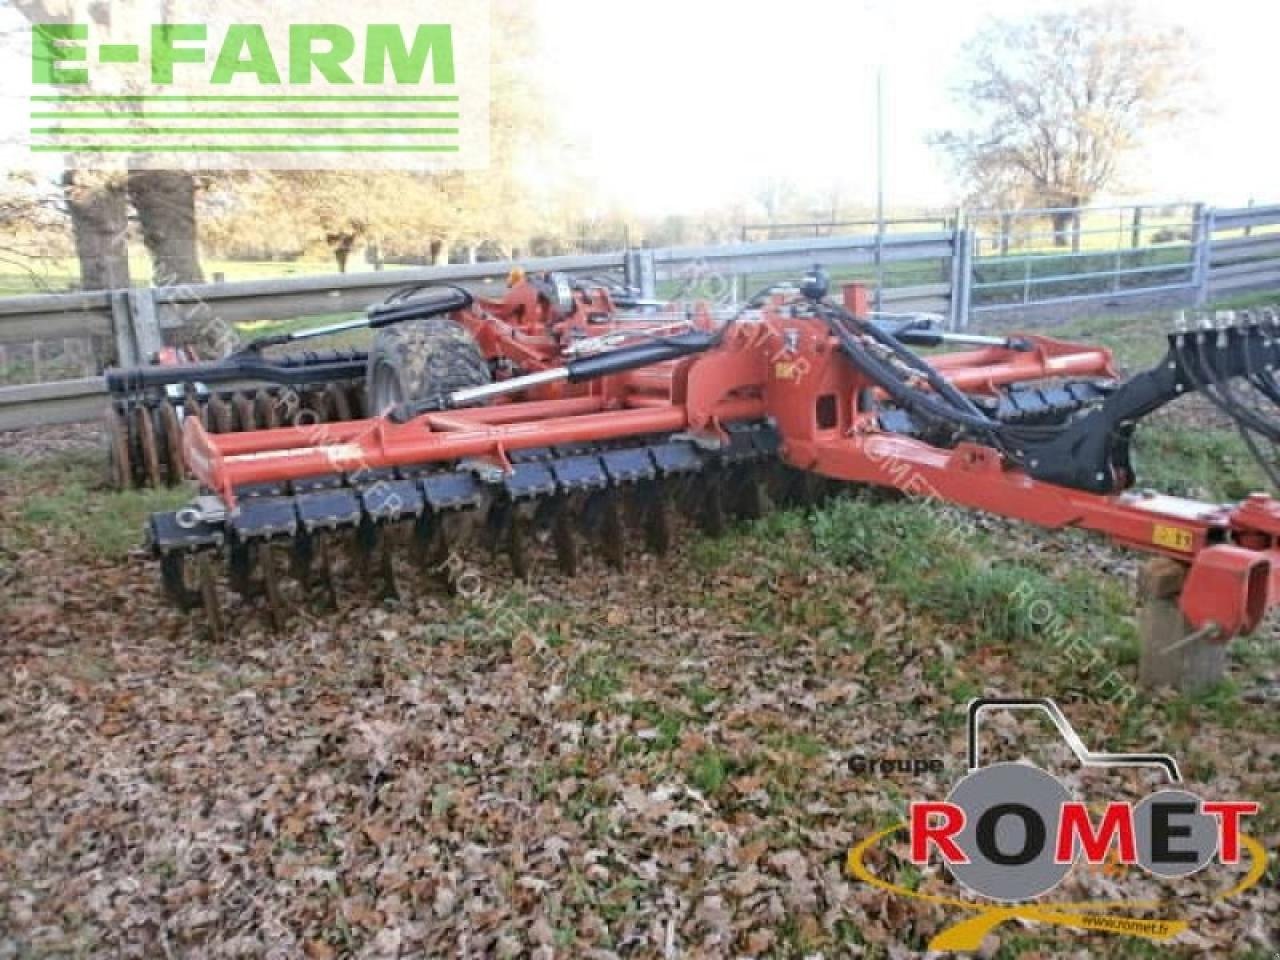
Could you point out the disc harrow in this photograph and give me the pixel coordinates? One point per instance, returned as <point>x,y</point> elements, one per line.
<point>144,419</point>
<point>714,417</point>
<point>549,505</point>
<point>531,327</point>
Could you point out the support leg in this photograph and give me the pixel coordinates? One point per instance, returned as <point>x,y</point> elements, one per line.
<point>1171,657</point>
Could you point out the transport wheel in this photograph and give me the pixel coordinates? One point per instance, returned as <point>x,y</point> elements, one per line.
<point>422,359</point>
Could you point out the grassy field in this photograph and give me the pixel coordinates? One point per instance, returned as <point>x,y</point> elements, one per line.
<point>633,764</point>
<point>53,275</point>
<point>648,764</point>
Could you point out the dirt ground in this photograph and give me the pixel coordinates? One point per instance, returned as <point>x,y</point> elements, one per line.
<point>653,764</point>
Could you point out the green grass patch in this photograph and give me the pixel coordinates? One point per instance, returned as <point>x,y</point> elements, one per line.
<point>597,676</point>
<point>65,499</point>
<point>1187,461</point>
<point>709,769</point>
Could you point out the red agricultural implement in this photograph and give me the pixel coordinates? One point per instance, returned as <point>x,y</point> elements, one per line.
<point>717,415</point>
<point>254,389</point>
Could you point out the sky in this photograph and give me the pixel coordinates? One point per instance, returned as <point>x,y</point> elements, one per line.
<point>679,105</point>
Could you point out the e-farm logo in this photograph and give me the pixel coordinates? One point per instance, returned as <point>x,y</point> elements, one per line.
<point>253,84</point>
<point>1009,833</point>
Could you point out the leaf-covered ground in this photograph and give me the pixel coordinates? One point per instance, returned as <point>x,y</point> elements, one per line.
<point>653,764</point>
<point>650,764</point>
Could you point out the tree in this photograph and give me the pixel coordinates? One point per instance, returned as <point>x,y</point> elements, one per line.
<point>165,202</point>
<point>99,208</point>
<point>98,204</point>
<point>1059,99</point>
<point>32,225</point>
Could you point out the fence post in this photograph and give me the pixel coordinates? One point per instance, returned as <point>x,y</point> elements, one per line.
<point>957,265</point>
<point>640,268</point>
<point>631,268</point>
<point>962,285</point>
<point>122,329</point>
<point>146,323</point>
<point>1204,226</point>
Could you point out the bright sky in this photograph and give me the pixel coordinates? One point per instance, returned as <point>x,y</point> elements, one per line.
<point>678,105</point>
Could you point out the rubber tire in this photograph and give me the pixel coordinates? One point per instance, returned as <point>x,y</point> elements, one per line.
<point>422,359</point>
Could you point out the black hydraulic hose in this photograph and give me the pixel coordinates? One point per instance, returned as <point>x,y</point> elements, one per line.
<point>1232,410</point>
<point>287,371</point>
<point>940,384</point>
<point>398,308</point>
<point>1219,392</point>
<point>1246,432</point>
<point>911,398</point>
<point>647,354</point>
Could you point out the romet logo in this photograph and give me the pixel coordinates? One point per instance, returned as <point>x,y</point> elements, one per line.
<point>247,83</point>
<point>1011,832</point>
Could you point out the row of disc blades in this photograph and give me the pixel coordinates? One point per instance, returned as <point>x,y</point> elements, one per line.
<point>144,436</point>
<point>376,561</point>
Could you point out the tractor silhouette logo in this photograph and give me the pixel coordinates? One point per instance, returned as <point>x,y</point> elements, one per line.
<point>1009,833</point>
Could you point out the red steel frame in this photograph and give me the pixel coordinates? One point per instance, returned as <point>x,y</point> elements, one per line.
<point>791,371</point>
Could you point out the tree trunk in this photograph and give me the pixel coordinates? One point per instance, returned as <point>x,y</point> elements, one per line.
<point>439,253</point>
<point>1062,223</point>
<point>100,222</point>
<point>165,201</point>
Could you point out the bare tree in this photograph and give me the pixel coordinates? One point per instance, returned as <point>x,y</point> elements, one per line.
<point>1060,98</point>
<point>164,200</point>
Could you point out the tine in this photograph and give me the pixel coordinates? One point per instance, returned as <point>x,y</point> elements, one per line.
<point>355,401</point>
<point>446,536</point>
<point>517,544</point>
<point>322,569</point>
<point>271,587</point>
<point>751,498</point>
<point>338,407</point>
<point>172,430</point>
<point>313,402</point>
<point>266,411</point>
<point>389,590</point>
<point>146,432</point>
<point>612,529</point>
<point>138,470</point>
<point>219,415</point>
<point>302,557</point>
<point>711,517</point>
<point>191,404</point>
<point>657,517</point>
<point>240,570</point>
<point>118,439</point>
<point>806,489</point>
<point>173,575</point>
<point>208,585</point>
<point>426,541</point>
<point>374,550</point>
<point>242,407</point>
<point>562,535</point>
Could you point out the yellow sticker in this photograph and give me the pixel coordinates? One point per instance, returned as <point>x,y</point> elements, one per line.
<point>1173,538</point>
<point>786,370</point>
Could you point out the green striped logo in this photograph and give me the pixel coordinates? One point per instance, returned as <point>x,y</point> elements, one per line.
<point>309,84</point>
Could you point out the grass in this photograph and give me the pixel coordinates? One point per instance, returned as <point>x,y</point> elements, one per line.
<point>65,503</point>
<point>1065,274</point>
<point>53,274</point>
<point>1186,461</point>
<point>824,576</point>
<point>923,556</point>
<point>709,769</point>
